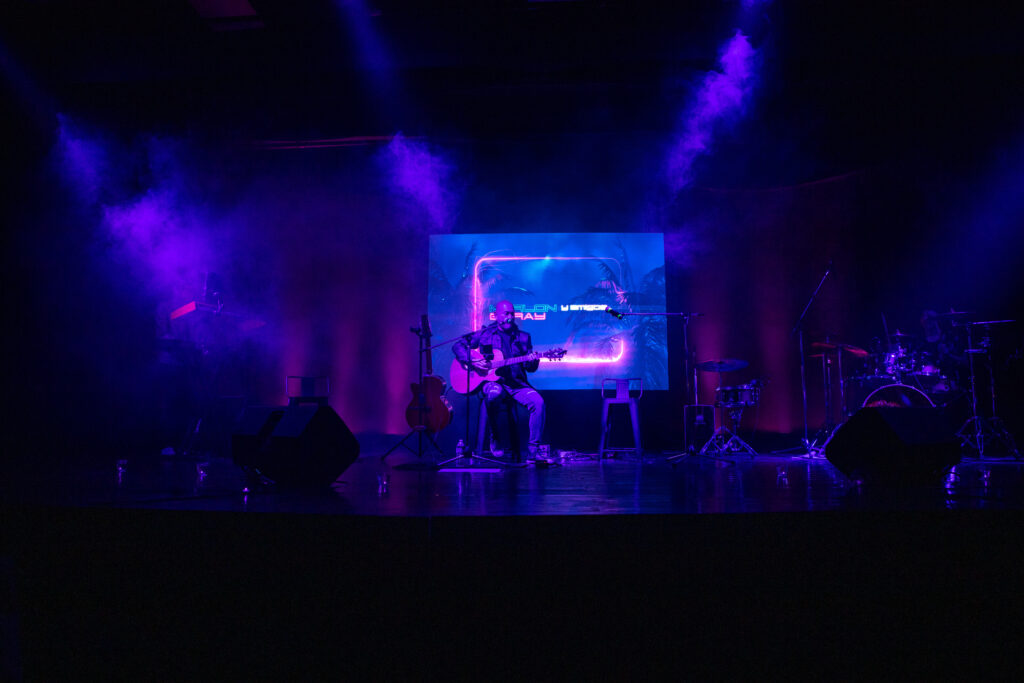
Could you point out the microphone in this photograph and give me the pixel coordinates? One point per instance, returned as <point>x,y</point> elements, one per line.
<point>614,313</point>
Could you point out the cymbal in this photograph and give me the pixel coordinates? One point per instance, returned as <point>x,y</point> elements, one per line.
<point>903,335</point>
<point>850,348</point>
<point>723,365</point>
<point>954,314</point>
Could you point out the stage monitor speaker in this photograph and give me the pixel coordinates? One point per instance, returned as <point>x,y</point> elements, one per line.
<point>698,426</point>
<point>299,446</point>
<point>895,446</point>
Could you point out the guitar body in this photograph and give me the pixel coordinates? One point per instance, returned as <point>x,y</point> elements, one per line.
<point>466,383</point>
<point>437,411</point>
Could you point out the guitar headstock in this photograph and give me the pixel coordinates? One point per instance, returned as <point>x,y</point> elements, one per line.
<point>554,354</point>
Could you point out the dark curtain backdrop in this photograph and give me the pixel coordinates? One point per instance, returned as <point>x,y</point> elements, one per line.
<point>319,245</point>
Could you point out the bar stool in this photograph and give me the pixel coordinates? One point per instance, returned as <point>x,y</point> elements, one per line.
<point>628,392</point>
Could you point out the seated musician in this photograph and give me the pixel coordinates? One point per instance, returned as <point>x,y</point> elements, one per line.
<point>506,337</point>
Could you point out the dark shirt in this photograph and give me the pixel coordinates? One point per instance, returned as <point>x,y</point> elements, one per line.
<point>511,344</point>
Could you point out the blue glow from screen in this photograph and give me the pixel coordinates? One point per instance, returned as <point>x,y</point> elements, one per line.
<point>561,285</point>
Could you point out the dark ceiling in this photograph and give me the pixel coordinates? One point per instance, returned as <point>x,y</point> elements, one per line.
<point>860,77</point>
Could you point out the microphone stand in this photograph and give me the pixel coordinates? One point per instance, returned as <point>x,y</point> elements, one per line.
<point>798,330</point>
<point>690,366</point>
<point>471,455</point>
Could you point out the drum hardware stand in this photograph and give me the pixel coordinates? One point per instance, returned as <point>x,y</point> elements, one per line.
<point>978,431</point>
<point>798,330</point>
<point>724,440</point>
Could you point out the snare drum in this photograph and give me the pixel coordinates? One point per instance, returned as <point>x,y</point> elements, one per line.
<point>743,395</point>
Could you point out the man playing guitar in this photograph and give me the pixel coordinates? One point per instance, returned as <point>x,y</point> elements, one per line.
<point>506,337</point>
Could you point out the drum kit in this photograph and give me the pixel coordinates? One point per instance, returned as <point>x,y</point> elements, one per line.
<point>907,372</point>
<point>903,373</point>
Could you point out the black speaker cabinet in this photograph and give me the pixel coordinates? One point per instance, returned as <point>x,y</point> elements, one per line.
<point>698,426</point>
<point>298,446</point>
<point>895,446</point>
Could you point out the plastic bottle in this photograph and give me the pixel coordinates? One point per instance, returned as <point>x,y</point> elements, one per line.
<point>460,448</point>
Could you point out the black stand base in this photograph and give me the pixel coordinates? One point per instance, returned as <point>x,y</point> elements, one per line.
<point>467,461</point>
<point>423,434</point>
<point>981,434</point>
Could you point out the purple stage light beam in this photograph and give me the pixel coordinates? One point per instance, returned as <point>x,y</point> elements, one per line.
<point>424,177</point>
<point>721,99</point>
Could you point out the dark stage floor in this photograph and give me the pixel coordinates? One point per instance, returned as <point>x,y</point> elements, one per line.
<point>403,485</point>
<point>164,568</point>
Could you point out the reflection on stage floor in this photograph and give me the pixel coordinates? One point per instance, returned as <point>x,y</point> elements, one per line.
<point>402,485</point>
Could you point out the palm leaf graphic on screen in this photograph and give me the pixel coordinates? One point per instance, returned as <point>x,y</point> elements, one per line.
<point>458,297</point>
<point>618,291</point>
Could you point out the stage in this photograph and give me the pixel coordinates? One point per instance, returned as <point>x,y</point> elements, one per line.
<point>711,569</point>
<point>306,229</point>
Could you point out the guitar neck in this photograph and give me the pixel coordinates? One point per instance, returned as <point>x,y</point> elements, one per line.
<point>518,359</point>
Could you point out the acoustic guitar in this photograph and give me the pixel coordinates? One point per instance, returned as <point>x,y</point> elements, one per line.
<point>428,409</point>
<point>464,382</point>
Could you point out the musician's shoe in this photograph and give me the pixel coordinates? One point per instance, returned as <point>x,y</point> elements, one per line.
<point>537,459</point>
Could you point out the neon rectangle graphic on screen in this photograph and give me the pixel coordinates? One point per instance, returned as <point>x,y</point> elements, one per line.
<point>568,359</point>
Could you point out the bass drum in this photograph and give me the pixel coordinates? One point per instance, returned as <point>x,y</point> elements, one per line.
<point>897,396</point>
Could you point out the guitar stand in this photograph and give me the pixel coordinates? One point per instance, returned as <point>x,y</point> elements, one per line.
<point>421,432</point>
<point>423,335</point>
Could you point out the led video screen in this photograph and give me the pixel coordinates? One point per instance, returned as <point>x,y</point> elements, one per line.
<point>561,285</point>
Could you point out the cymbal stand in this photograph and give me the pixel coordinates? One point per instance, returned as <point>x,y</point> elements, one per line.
<point>798,330</point>
<point>829,428</point>
<point>979,431</point>
<point>842,386</point>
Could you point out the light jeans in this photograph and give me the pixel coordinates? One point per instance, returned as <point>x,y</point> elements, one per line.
<point>527,397</point>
